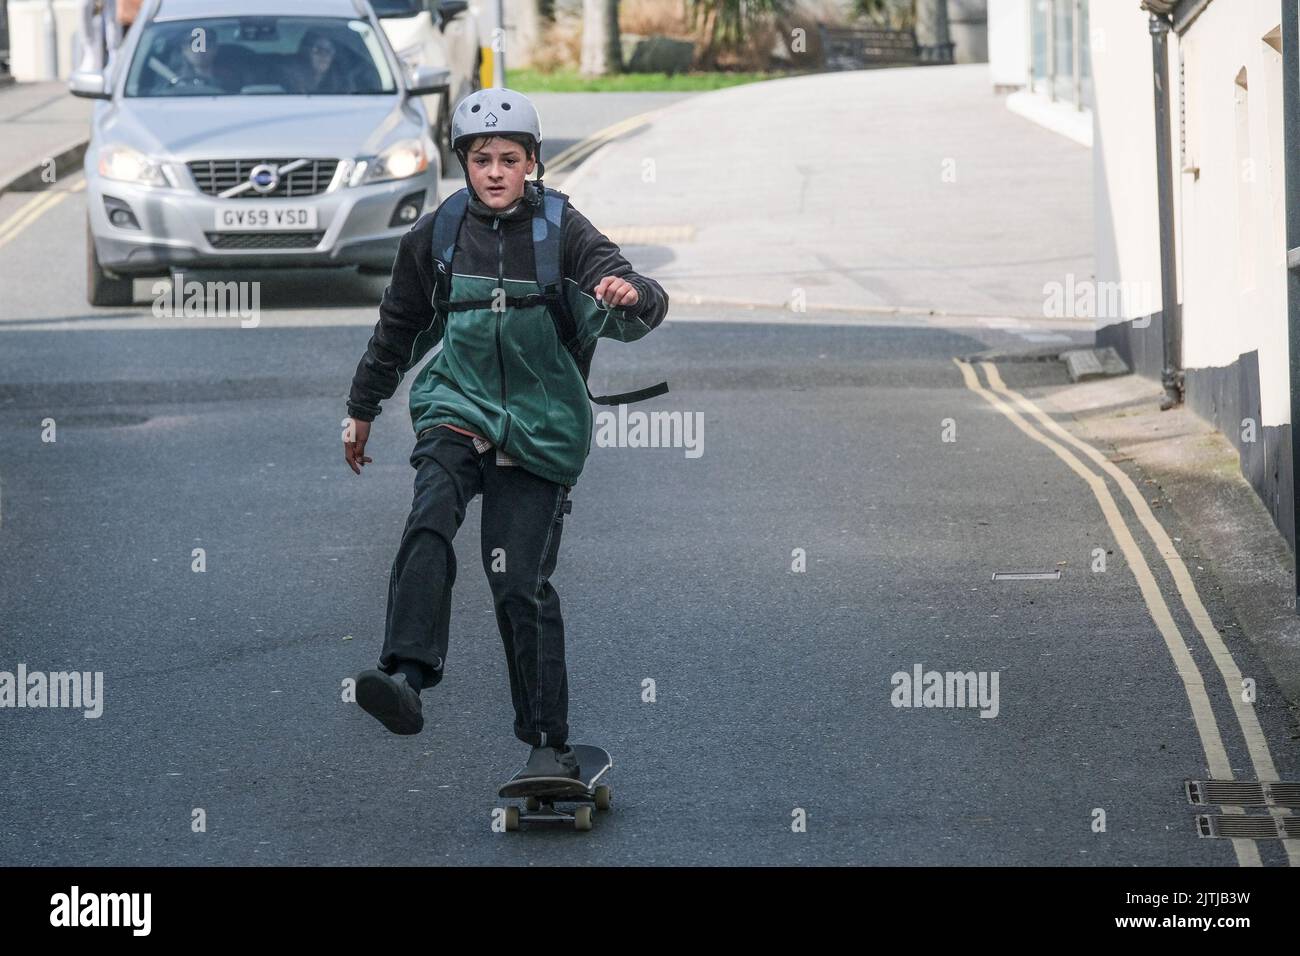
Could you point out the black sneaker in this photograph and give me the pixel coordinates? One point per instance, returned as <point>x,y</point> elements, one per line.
<point>551,762</point>
<point>391,700</point>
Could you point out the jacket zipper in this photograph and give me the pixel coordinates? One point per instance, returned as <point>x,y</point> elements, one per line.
<point>501,362</point>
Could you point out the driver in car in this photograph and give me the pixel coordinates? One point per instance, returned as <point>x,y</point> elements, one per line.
<point>198,61</point>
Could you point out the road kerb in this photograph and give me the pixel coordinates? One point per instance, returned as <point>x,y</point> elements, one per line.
<point>29,179</point>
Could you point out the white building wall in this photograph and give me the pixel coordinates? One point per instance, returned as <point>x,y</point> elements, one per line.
<point>1233,239</point>
<point>1009,42</point>
<point>1126,214</point>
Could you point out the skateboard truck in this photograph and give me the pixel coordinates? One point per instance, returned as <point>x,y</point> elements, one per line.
<point>541,794</point>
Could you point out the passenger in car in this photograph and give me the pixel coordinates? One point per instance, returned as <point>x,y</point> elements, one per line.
<point>317,68</point>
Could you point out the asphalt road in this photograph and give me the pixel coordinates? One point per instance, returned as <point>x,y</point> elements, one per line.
<point>223,689</point>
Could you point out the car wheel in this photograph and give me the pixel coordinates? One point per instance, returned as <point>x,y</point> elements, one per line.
<point>102,288</point>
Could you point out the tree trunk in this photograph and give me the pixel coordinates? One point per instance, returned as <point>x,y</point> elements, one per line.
<point>601,49</point>
<point>615,46</point>
<point>932,29</point>
<point>709,50</point>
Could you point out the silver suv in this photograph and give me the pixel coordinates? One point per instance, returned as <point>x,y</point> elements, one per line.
<point>253,134</point>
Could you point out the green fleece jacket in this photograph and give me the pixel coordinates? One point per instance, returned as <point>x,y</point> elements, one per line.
<point>503,374</point>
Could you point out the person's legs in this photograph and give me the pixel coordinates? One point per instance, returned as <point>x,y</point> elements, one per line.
<point>448,475</point>
<point>522,521</point>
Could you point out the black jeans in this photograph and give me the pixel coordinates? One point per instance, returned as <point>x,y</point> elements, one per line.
<point>523,516</point>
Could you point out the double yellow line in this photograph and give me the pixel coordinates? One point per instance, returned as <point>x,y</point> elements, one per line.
<point>580,151</point>
<point>1207,727</point>
<point>32,210</point>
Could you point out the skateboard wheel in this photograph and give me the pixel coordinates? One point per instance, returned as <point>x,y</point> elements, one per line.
<point>603,797</point>
<point>582,818</point>
<point>512,818</point>
<point>532,804</point>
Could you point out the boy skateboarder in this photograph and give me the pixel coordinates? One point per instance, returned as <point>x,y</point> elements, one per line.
<point>502,409</point>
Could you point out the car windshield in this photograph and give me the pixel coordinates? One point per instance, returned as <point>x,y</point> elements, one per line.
<point>264,56</point>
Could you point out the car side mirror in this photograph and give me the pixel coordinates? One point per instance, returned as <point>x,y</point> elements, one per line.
<point>426,80</point>
<point>448,10</point>
<point>92,86</point>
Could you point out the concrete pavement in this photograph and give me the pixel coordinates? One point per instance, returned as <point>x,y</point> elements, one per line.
<point>40,122</point>
<point>1188,469</point>
<point>911,190</point>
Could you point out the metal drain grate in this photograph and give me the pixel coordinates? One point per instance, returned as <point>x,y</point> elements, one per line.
<point>308,178</point>
<point>1227,827</point>
<point>1027,575</point>
<point>265,240</point>
<point>1243,793</point>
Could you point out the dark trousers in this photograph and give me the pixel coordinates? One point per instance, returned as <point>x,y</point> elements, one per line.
<point>523,516</point>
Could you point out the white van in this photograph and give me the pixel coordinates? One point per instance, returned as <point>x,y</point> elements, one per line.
<point>439,34</point>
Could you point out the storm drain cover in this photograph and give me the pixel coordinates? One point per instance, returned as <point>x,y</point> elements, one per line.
<point>1248,828</point>
<point>1243,793</point>
<point>1027,575</point>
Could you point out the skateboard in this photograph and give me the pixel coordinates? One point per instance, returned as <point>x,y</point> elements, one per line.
<point>541,794</point>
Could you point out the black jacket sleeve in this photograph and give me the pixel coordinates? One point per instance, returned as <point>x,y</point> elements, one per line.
<point>588,256</point>
<point>408,325</point>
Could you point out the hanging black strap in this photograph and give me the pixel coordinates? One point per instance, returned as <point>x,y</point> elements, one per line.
<point>548,224</point>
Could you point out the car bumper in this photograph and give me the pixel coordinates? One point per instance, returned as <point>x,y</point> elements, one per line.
<point>178,228</point>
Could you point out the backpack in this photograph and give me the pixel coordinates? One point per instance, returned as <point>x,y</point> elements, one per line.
<point>547,223</point>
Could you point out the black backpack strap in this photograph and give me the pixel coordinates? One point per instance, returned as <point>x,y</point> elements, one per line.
<point>446,227</point>
<point>548,224</point>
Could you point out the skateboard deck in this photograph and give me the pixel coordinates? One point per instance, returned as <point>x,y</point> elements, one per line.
<point>540,794</point>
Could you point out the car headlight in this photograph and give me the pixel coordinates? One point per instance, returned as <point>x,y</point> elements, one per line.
<point>399,161</point>
<point>130,166</point>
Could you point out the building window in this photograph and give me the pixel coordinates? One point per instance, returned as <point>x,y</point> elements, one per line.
<point>1059,51</point>
<point>1039,13</point>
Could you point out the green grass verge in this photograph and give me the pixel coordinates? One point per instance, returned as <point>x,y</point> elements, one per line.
<point>570,81</point>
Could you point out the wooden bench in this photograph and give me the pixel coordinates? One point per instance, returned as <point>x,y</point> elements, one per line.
<point>859,48</point>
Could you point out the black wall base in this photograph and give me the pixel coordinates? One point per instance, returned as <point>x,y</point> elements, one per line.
<point>1142,348</point>
<point>1224,397</point>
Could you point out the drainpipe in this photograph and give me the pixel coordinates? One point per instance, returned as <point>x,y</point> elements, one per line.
<point>498,55</point>
<point>50,34</point>
<point>1171,376</point>
<point>1291,134</point>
